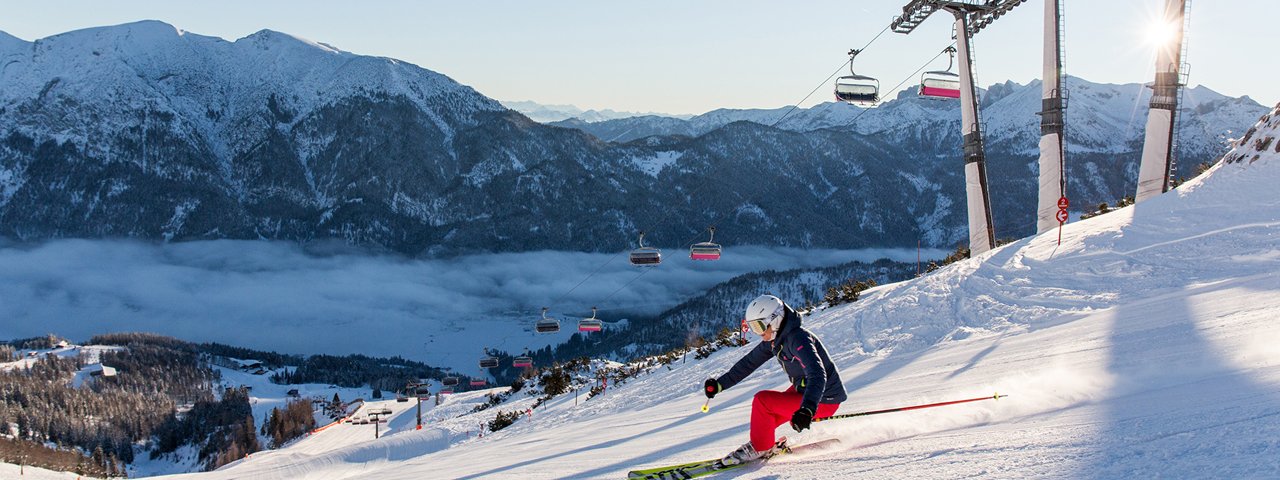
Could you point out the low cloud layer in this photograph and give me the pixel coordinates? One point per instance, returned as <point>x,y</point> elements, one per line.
<point>277,296</point>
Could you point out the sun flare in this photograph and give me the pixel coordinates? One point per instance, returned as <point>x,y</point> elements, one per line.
<point>1160,33</point>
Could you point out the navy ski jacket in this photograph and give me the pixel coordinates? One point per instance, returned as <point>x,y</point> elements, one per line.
<point>803,358</point>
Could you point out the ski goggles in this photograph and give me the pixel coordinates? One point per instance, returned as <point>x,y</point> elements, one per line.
<point>756,325</point>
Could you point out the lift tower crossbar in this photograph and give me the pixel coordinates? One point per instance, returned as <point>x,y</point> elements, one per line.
<point>970,18</point>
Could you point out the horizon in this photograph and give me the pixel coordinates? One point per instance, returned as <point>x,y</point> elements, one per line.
<point>582,54</point>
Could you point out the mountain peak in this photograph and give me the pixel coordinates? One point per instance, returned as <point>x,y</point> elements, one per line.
<point>142,29</point>
<point>267,38</point>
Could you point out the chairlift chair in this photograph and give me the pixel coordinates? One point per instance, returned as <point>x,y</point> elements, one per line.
<point>706,250</point>
<point>645,256</point>
<point>478,382</point>
<point>857,89</point>
<point>523,361</point>
<point>449,381</point>
<point>547,324</point>
<point>488,362</point>
<point>592,324</point>
<point>941,83</point>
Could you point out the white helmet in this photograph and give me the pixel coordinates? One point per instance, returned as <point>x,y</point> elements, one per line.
<point>765,312</point>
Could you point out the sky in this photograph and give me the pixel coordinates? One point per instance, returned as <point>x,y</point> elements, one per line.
<point>693,57</point>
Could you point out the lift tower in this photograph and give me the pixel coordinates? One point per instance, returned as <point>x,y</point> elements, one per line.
<point>970,18</point>
<point>1157,146</point>
<point>1052,200</point>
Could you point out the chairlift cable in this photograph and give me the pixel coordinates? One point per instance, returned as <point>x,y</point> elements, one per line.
<point>811,92</point>
<point>700,187</point>
<point>584,280</point>
<point>625,285</point>
<point>828,79</point>
<point>900,84</point>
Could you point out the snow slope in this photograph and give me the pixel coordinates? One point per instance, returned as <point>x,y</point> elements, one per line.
<point>1142,346</point>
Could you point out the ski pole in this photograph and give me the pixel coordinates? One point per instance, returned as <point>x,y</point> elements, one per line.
<point>997,396</point>
<point>706,405</point>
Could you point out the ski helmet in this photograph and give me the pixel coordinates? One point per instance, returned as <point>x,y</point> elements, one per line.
<point>765,312</point>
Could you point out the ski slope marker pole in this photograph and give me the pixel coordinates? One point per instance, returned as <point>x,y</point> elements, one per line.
<point>997,396</point>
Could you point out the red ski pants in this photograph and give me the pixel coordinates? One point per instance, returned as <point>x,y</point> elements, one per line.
<point>771,409</point>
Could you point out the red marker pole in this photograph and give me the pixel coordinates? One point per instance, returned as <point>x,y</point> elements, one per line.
<point>1063,203</point>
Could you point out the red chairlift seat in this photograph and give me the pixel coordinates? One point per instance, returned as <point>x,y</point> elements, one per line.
<point>706,250</point>
<point>523,361</point>
<point>592,324</point>
<point>478,382</point>
<point>941,83</point>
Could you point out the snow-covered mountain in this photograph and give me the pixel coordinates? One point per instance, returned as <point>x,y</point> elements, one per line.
<point>1141,346</point>
<point>146,131</point>
<point>555,113</point>
<point>1105,118</point>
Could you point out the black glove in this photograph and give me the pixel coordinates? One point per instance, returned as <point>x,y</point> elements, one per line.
<point>711,387</point>
<point>801,419</point>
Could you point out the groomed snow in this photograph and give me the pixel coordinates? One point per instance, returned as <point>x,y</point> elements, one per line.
<point>1143,346</point>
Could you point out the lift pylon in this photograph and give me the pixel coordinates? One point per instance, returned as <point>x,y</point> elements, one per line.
<point>1053,179</point>
<point>970,18</point>
<point>1157,145</point>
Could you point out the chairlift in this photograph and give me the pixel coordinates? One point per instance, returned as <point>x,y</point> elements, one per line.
<point>857,89</point>
<point>446,391</point>
<point>941,83</point>
<point>488,362</point>
<point>547,324</point>
<point>478,382</point>
<point>645,256</point>
<point>449,381</point>
<point>592,324</point>
<point>706,250</point>
<point>523,361</point>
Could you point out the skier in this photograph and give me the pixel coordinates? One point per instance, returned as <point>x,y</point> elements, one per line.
<point>815,388</point>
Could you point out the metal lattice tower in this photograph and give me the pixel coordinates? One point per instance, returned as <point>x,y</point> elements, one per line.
<point>970,18</point>
<point>1184,73</point>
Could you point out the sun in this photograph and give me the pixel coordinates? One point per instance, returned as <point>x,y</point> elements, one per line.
<point>1161,33</point>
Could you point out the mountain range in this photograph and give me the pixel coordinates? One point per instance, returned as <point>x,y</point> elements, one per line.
<point>147,131</point>
<point>553,113</point>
